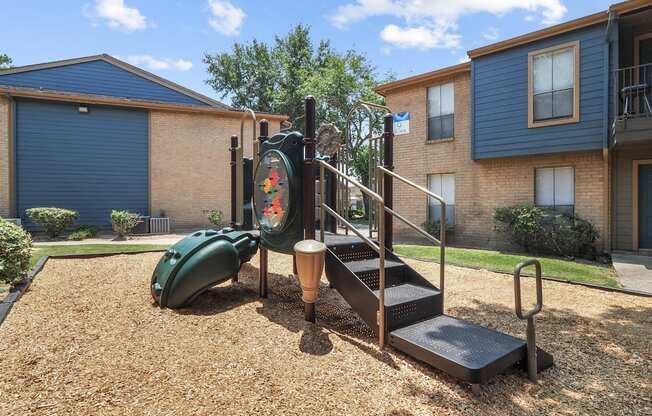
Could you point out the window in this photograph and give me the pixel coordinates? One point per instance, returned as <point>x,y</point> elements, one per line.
<point>555,188</point>
<point>441,111</point>
<point>444,186</point>
<point>553,85</point>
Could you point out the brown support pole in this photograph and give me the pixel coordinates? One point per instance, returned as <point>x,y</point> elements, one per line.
<point>332,202</point>
<point>262,269</point>
<point>262,272</point>
<point>234,185</point>
<point>309,187</point>
<point>309,170</point>
<point>388,185</point>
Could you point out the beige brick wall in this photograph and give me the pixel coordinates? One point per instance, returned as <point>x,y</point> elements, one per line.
<point>480,186</point>
<point>190,171</point>
<point>4,157</point>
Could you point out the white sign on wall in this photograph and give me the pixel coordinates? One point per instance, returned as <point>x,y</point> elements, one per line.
<point>401,123</point>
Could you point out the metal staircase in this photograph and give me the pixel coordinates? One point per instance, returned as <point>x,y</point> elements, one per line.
<point>402,307</point>
<point>413,313</point>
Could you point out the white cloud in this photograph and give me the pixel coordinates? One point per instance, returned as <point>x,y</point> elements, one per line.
<point>433,23</point>
<point>118,16</point>
<point>155,64</point>
<point>530,18</point>
<point>225,17</point>
<point>419,37</point>
<point>491,33</point>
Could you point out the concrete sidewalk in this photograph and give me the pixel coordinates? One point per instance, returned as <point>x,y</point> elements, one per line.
<point>634,270</point>
<point>166,239</point>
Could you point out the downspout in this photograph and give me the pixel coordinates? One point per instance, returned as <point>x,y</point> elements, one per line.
<point>606,142</point>
<point>11,155</point>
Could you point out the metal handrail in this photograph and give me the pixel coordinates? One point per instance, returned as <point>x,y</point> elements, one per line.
<point>379,248</point>
<point>529,315</point>
<point>442,223</point>
<point>375,149</point>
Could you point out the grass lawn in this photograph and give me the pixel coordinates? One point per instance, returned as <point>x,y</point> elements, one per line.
<point>497,261</point>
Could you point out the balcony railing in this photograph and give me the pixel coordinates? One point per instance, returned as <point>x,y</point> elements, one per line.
<point>633,86</point>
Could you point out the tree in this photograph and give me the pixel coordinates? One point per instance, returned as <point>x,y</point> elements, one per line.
<point>5,61</point>
<point>277,78</point>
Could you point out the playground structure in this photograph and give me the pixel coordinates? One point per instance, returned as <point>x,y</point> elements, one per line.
<point>403,308</point>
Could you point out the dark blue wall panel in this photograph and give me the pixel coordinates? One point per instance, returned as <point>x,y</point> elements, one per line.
<point>500,96</point>
<point>97,77</point>
<point>91,163</point>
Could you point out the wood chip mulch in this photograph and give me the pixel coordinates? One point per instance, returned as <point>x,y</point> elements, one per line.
<point>86,339</point>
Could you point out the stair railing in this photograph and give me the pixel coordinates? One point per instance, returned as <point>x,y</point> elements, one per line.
<point>382,171</point>
<point>378,248</point>
<point>529,315</point>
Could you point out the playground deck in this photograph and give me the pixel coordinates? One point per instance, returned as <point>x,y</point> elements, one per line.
<point>87,339</point>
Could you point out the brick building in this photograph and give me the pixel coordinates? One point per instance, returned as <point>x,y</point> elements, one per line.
<point>498,131</point>
<point>94,134</point>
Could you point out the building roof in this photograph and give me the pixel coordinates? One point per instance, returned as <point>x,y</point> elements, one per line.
<point>592,19</point>
<point>422,79</point>
<point>36,93</point>
<point>439,74</point>
<point>125,66</point>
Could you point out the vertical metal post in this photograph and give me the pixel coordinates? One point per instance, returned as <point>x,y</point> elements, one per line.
<point>332,190</point>
<point>442,254</point>
<point>381,275</point>
<point>387,181</point>
<point>262,273</point>
<point>531,350</point>
<point>234,182</point>
<point>263,256</point>
<point>309,170</point>
<point>322,190</point>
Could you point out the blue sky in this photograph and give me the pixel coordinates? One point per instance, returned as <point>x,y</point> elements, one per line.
<point>169,38</point>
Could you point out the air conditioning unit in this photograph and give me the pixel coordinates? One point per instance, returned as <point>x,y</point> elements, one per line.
<point>159,225</point>
<point>16,221</point>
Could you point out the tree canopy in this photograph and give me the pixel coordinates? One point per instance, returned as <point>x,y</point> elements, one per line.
<point>276,78</point>
<point>5,61</point>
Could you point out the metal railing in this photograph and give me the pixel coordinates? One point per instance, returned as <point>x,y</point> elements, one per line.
<point>375,145</point>
<point>442,233</point>
<point>379,248</point>
<point>632,91</point>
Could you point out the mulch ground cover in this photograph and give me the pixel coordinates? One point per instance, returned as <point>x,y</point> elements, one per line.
<point>86,339</point>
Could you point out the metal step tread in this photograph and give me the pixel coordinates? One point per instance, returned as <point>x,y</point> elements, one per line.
<point>405,293</point>
<point>361,266</point>
<point>463,349</point>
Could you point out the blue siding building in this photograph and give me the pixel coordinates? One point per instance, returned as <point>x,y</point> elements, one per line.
<point>94,134</point>
<point>559,118</point>
<point>500,100</point>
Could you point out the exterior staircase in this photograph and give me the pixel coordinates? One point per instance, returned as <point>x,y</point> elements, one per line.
<point>414,320</point>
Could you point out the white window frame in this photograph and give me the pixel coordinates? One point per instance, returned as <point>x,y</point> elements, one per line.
<point>554,206</point>
<point>440,116</point>
<point>450,206</point>
<point>575,118</point>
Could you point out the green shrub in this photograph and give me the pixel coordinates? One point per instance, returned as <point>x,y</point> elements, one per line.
<point>216,217</point>
<point>356,214</point>
<point>15,252</point>
<point>123,222</point>
<point>83,232</point>
<point>434,228</point>
<point>545,231</point>
<point>53,220</point>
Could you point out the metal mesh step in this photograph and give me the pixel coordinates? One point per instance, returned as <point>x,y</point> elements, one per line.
<point>408,303</point>
<point>465,350</point>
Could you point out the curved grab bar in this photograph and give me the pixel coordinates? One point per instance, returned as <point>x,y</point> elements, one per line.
<point>532,366</point>
<point>517,289</point>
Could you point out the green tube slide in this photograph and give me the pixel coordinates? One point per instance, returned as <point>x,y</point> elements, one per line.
<point>198,262</point>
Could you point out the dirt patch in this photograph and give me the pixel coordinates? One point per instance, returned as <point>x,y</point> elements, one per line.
<point>87,339</point>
